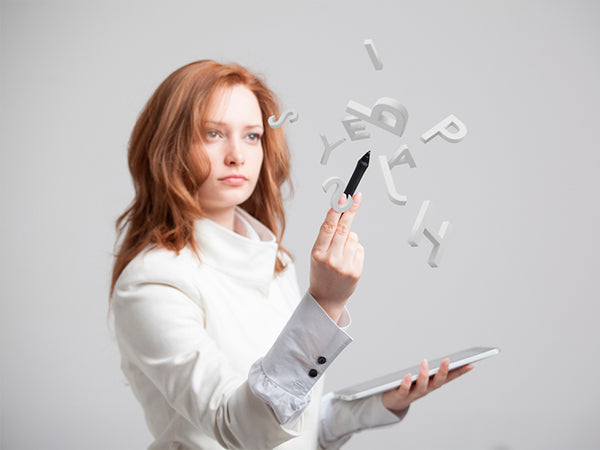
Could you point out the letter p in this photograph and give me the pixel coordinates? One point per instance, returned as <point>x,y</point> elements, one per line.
<point>443,129</point>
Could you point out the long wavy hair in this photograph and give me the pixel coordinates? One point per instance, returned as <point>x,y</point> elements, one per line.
<point>168,165</point>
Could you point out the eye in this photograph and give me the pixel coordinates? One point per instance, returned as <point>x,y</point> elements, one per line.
<point>255,137</point>
<point>212,134</point>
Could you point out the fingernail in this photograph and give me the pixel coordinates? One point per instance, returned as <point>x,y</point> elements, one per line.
<point>342,199</point>
<point>358,197</point>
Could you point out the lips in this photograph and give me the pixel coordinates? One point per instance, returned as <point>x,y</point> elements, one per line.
<point>233,177</point>
<point>234,180</point>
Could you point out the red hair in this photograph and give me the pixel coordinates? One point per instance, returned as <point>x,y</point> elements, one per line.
<point>167,168</point>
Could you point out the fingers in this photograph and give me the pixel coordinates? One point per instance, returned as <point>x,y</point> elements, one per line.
<point>453,374</point>
<point>401,397</point>
<point>332,220</point>
<point>340,237</point>
<point>327,230</point>
<point>444,375</point>
<point>336,259</point>
<point>420,387</point>
<point>359,258</point>
<point>403,391</point>
<point>440,377</point>
<point>398,398</point>
<point>350,248</point>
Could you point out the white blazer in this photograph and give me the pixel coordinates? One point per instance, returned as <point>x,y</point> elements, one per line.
<point>212,355</point>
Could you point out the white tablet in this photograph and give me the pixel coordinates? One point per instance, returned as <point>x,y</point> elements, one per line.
<point>394,380</point>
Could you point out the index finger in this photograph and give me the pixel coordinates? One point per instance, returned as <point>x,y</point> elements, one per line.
<point>343,227</point>
<point>327,230</point>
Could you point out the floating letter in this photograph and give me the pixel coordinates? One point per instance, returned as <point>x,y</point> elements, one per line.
<point>339,190</point>
<point>329,148</point>
<point>442,129</point>
<point>387,113</point>
<point>355,132</point>
<point>373,54</point>
<point>289,112</point>
<point>389,182</point>
<point>419,229</point>
<point>402,156</point>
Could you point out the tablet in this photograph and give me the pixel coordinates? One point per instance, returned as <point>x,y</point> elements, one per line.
<point>393,380</point>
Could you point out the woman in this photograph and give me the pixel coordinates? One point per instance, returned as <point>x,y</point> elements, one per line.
<point>217,343</point>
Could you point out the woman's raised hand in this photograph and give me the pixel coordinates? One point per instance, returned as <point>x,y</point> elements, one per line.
<point>336,260</point>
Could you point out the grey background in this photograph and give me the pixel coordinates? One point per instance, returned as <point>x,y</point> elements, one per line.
<point>520,192</point>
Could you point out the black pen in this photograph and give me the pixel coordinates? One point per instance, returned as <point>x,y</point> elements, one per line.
<point>361,167</point>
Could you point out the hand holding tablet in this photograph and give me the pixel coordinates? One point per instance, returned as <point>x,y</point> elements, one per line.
<point>414,382</point>
<point>400,398</point>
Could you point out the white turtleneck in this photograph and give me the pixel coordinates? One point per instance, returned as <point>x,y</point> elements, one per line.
<point>213,356</point>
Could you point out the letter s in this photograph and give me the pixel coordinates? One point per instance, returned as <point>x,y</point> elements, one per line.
<point>284,116</point>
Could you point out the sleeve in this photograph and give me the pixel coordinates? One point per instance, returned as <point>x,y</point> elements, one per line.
<point>309,342</point>
<point>304,349</point>
<point>340,419</point>
<point>161,330</point>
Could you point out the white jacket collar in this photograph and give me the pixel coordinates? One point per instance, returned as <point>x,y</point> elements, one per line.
<point>238,256</point>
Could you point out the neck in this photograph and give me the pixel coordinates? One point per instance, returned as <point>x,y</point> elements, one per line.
<point>228,219</point>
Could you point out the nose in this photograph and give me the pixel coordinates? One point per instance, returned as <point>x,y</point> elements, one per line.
<point>234,155</point>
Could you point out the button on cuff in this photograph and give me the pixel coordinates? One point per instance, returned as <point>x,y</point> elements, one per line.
<point>298,347</point>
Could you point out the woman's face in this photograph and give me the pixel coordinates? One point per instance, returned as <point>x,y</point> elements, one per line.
<point>232,142</point>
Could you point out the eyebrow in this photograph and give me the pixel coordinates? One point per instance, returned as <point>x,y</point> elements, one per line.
<point>213,122</point>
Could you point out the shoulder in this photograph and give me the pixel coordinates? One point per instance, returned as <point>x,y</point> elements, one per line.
<point>156,305</point>
<point>157,265</point>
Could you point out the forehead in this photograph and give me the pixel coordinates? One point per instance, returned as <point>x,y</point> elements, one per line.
<point>234,104</point>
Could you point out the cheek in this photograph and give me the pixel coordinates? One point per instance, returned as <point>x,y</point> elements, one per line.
<point>206,161</point>
<point>212,155</point>
<point>258,161</point>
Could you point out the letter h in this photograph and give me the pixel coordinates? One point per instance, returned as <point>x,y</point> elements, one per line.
<point>437,239</point>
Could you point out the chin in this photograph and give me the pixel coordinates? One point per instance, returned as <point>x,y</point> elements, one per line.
<point>236,200</point>
<point>218,199</point>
